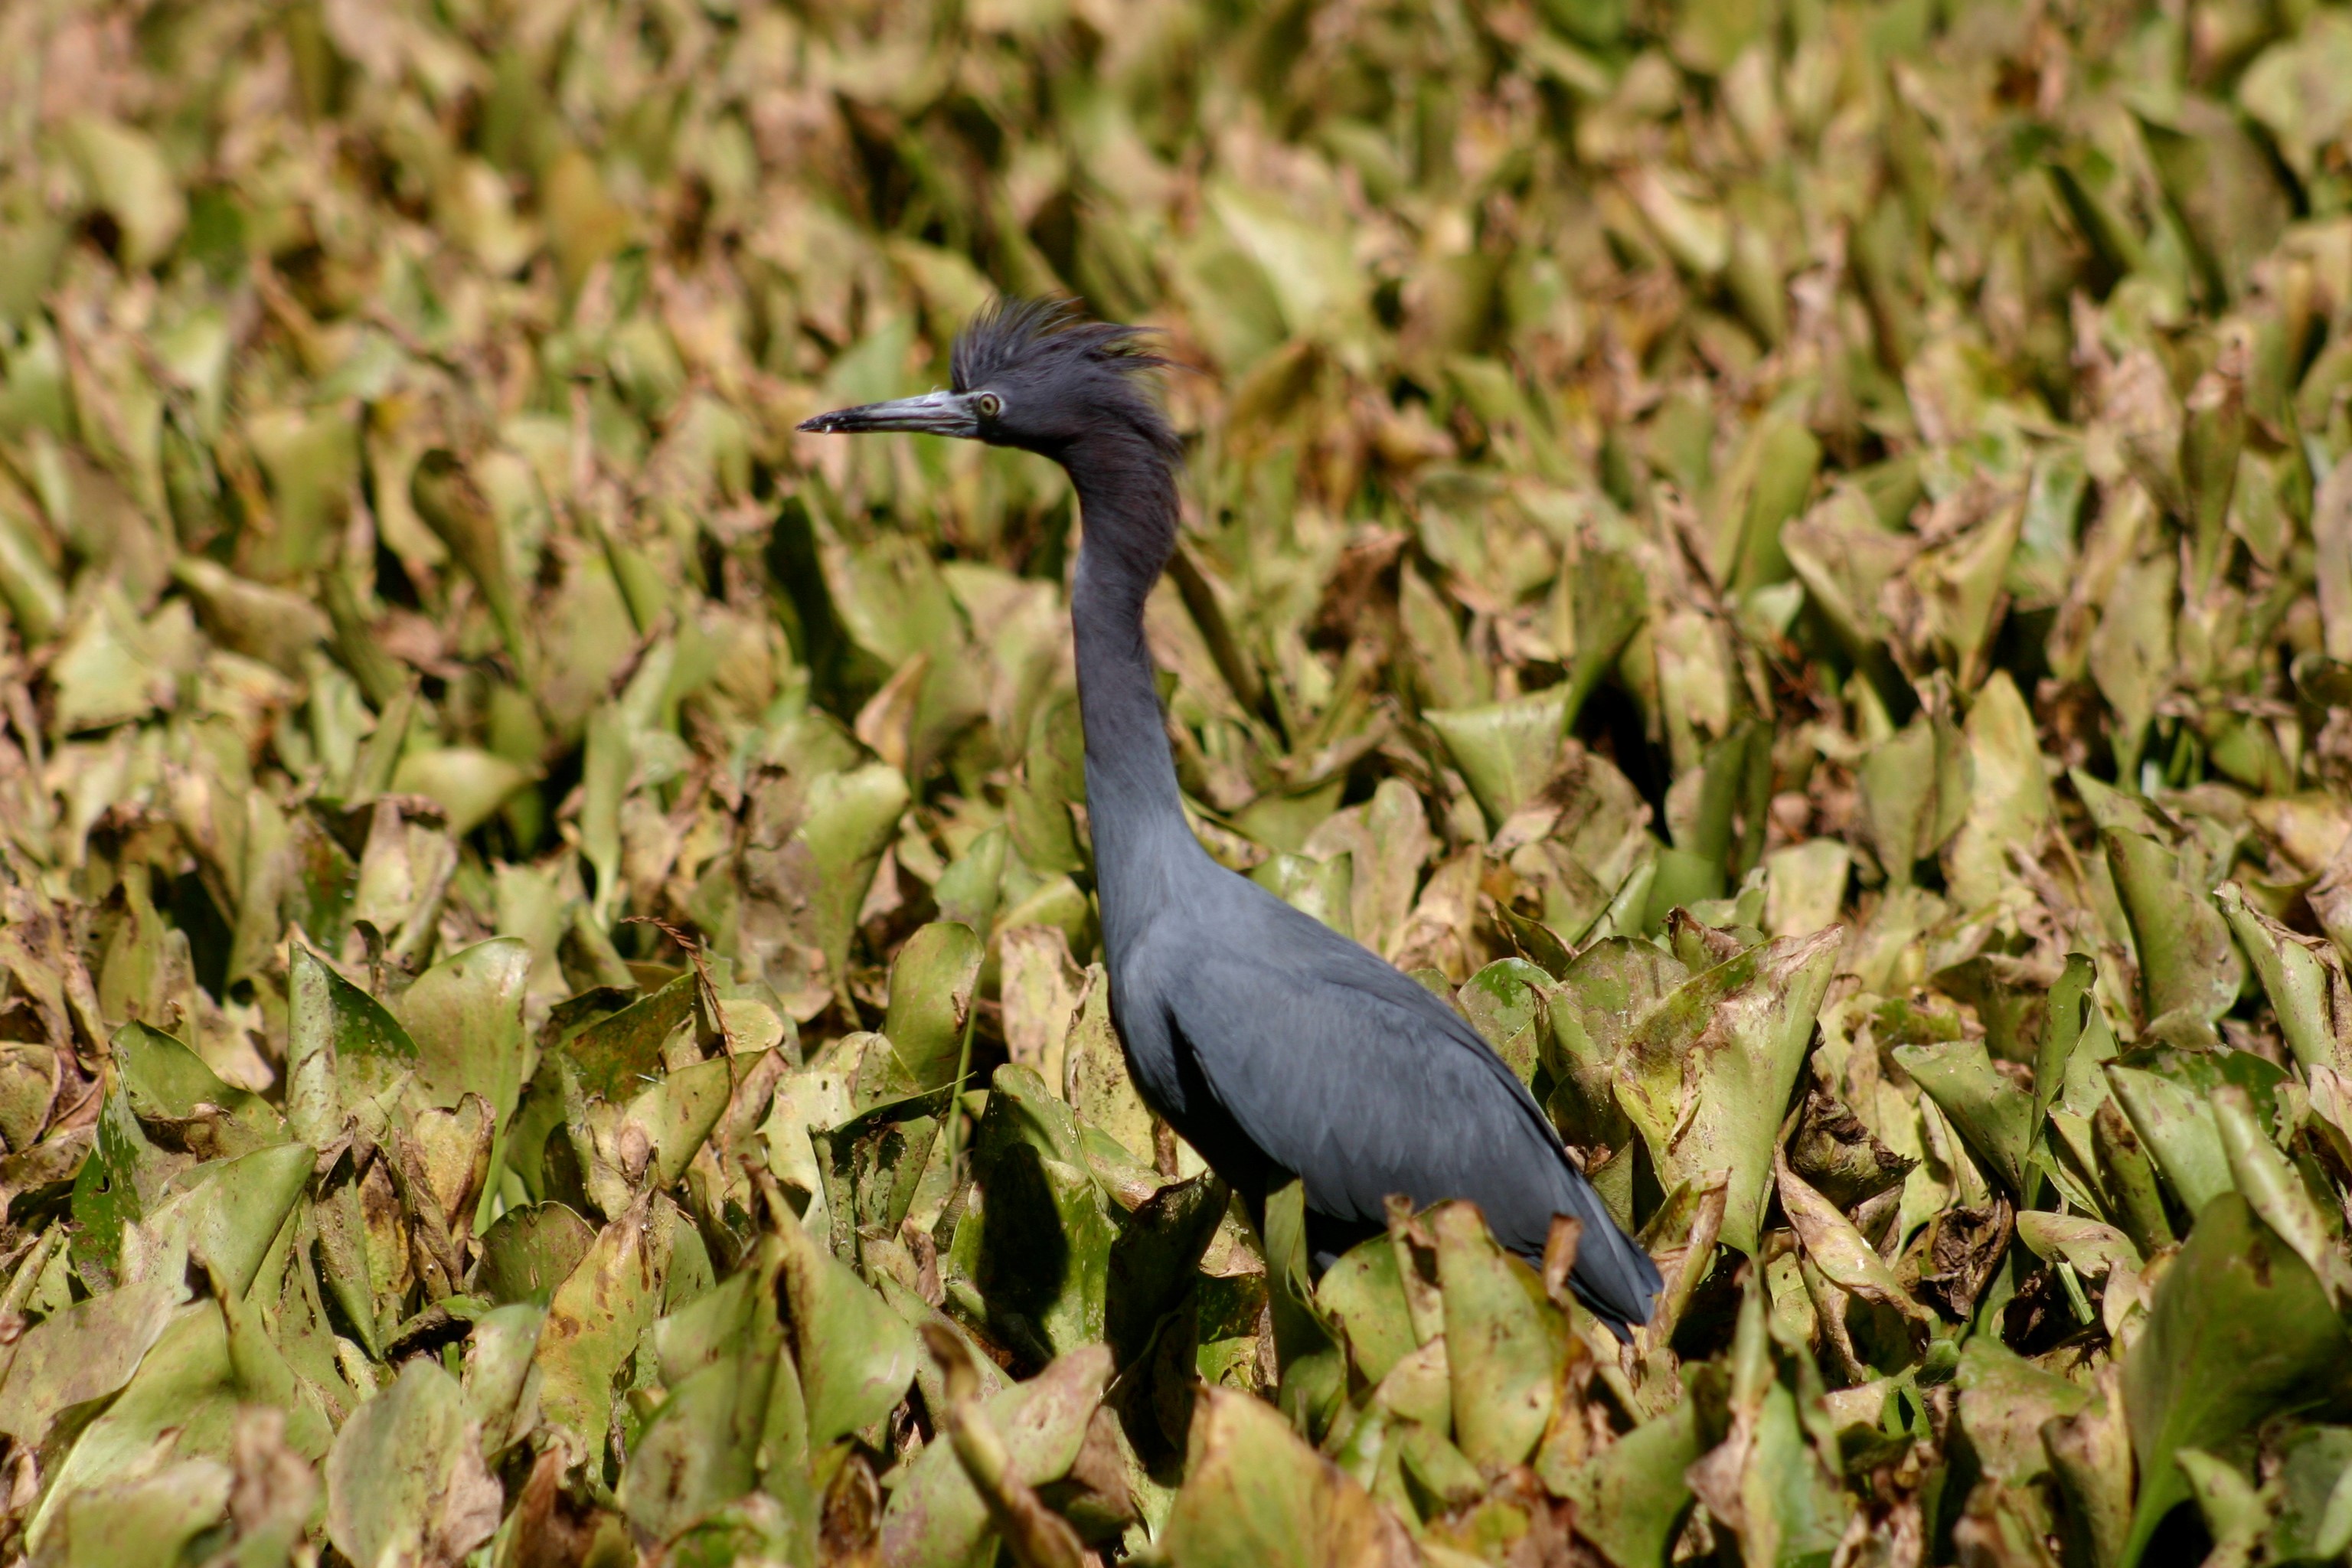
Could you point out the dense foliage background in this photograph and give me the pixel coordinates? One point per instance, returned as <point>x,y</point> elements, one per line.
<point>1796,557</point>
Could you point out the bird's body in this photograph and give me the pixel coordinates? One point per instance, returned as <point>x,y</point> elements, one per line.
<point>1275,1046</point>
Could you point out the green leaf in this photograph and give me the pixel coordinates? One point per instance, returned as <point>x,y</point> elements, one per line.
<point>935,1515</point>
<point>678,1114</point>
<point>466,1015</point>
<point>702,1448</point>
<point>2314,1517</point>
<point>2274,1189</point>
<point>405,1482</point>
<point>1505,751</point>
<point>856,1355</point>
<point>1255,1494</point>
<point>143,1519</point>
<point>1630,1497</point>
<point>2239,1330</point>
<point>2167,1096</point>
<point>1916,791</point>
<point>615,1056</point>
<point>529,1251</point>
<point>2303,978</point>
<point>168,1085</point>
<point>469,784</point>
<point>498,1373</point>
<point>1705,1077</point>
<point>2187,963</point>
<point>595,1317</point>
<point>1362,1294</point>
<point>342,1048</point>
<point>2005,1402</point>
<point>931,984</point>
<point>1608,988</point>
<point>1505,1341</point>
<point>84,1353</point>
<point>1506,1002</point>
<point>231,1214</point>
<point>1992,1113</point>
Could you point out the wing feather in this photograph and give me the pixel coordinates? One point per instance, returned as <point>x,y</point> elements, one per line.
<point>1351,1074</point>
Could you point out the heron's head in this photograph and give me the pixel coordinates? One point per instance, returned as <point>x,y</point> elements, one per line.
<point>1027,375</point>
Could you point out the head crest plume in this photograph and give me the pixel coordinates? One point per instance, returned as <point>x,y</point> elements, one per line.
<point>1008,333</point>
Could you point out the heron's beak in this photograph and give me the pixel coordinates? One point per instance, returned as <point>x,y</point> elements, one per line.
<point>933,414</point>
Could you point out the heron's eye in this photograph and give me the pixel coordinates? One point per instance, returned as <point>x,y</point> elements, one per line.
<point>989,404</point>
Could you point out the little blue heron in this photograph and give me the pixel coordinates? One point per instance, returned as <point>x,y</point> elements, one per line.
<point>1276,1047</point>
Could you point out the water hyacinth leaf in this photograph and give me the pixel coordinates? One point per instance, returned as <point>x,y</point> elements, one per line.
<point>595,1317</point>
<point>2005,1401</point>
<point>2131,653</point>
<point>856,1355</point>
<point>1044,1249</point>
<point>2135,1196</point>
<point>1995,1115</point>
<point>1916,791</point>
<point>2314,1511</point>
<point>1257,1494</point>
<point>1504,751</point>
<point>404,543</point>
<point>529,1251</point>
<point>275,625</point>
<point>1834,1245</point>
<point>2178,1131</point>
<point>2070,1017</point>
<point>465,782</point>
<point>2296,90</point>
<point>1837,1153</point>
<point>1506,1002</point>
<point>931,986</point>
<point>1095,1079</point>
<point>499,1396</point>
<point>618,1054</point>
<point>851,820</point>
<point>2239,1330</point>
<point>1609,988</point>
<point>127,177</point>
<point>701,1448</point>
<point>466,1015</point>
<point>182,1400</point>
<point>148,1519</point>
<point>343,1047</point>
<point>1154,1257</point>
<point>169,1087</point>
<point>82,1354</point>
<point>405,1482</point>
<point>2303,977</point>
<point>2273,1188</point>
<point>2009,798</point>
<point>2222,184</point>
<point>1504,1342</point>
<point>2187,962</point>
<point>2091,1461</point>
<point>937,1516</point>
<point>448,497</point>
<point>1362,1294</point>
<point>1630,1497</point>
<point>680,1112</point>
<point>1705,1077</point>
<point>230,1221</point>
<point>2092,1248</point>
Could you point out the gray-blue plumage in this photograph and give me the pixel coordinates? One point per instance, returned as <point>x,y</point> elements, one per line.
<point>1274,1045</point>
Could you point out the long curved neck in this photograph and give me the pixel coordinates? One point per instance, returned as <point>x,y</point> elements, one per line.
<point>1127,502</point>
